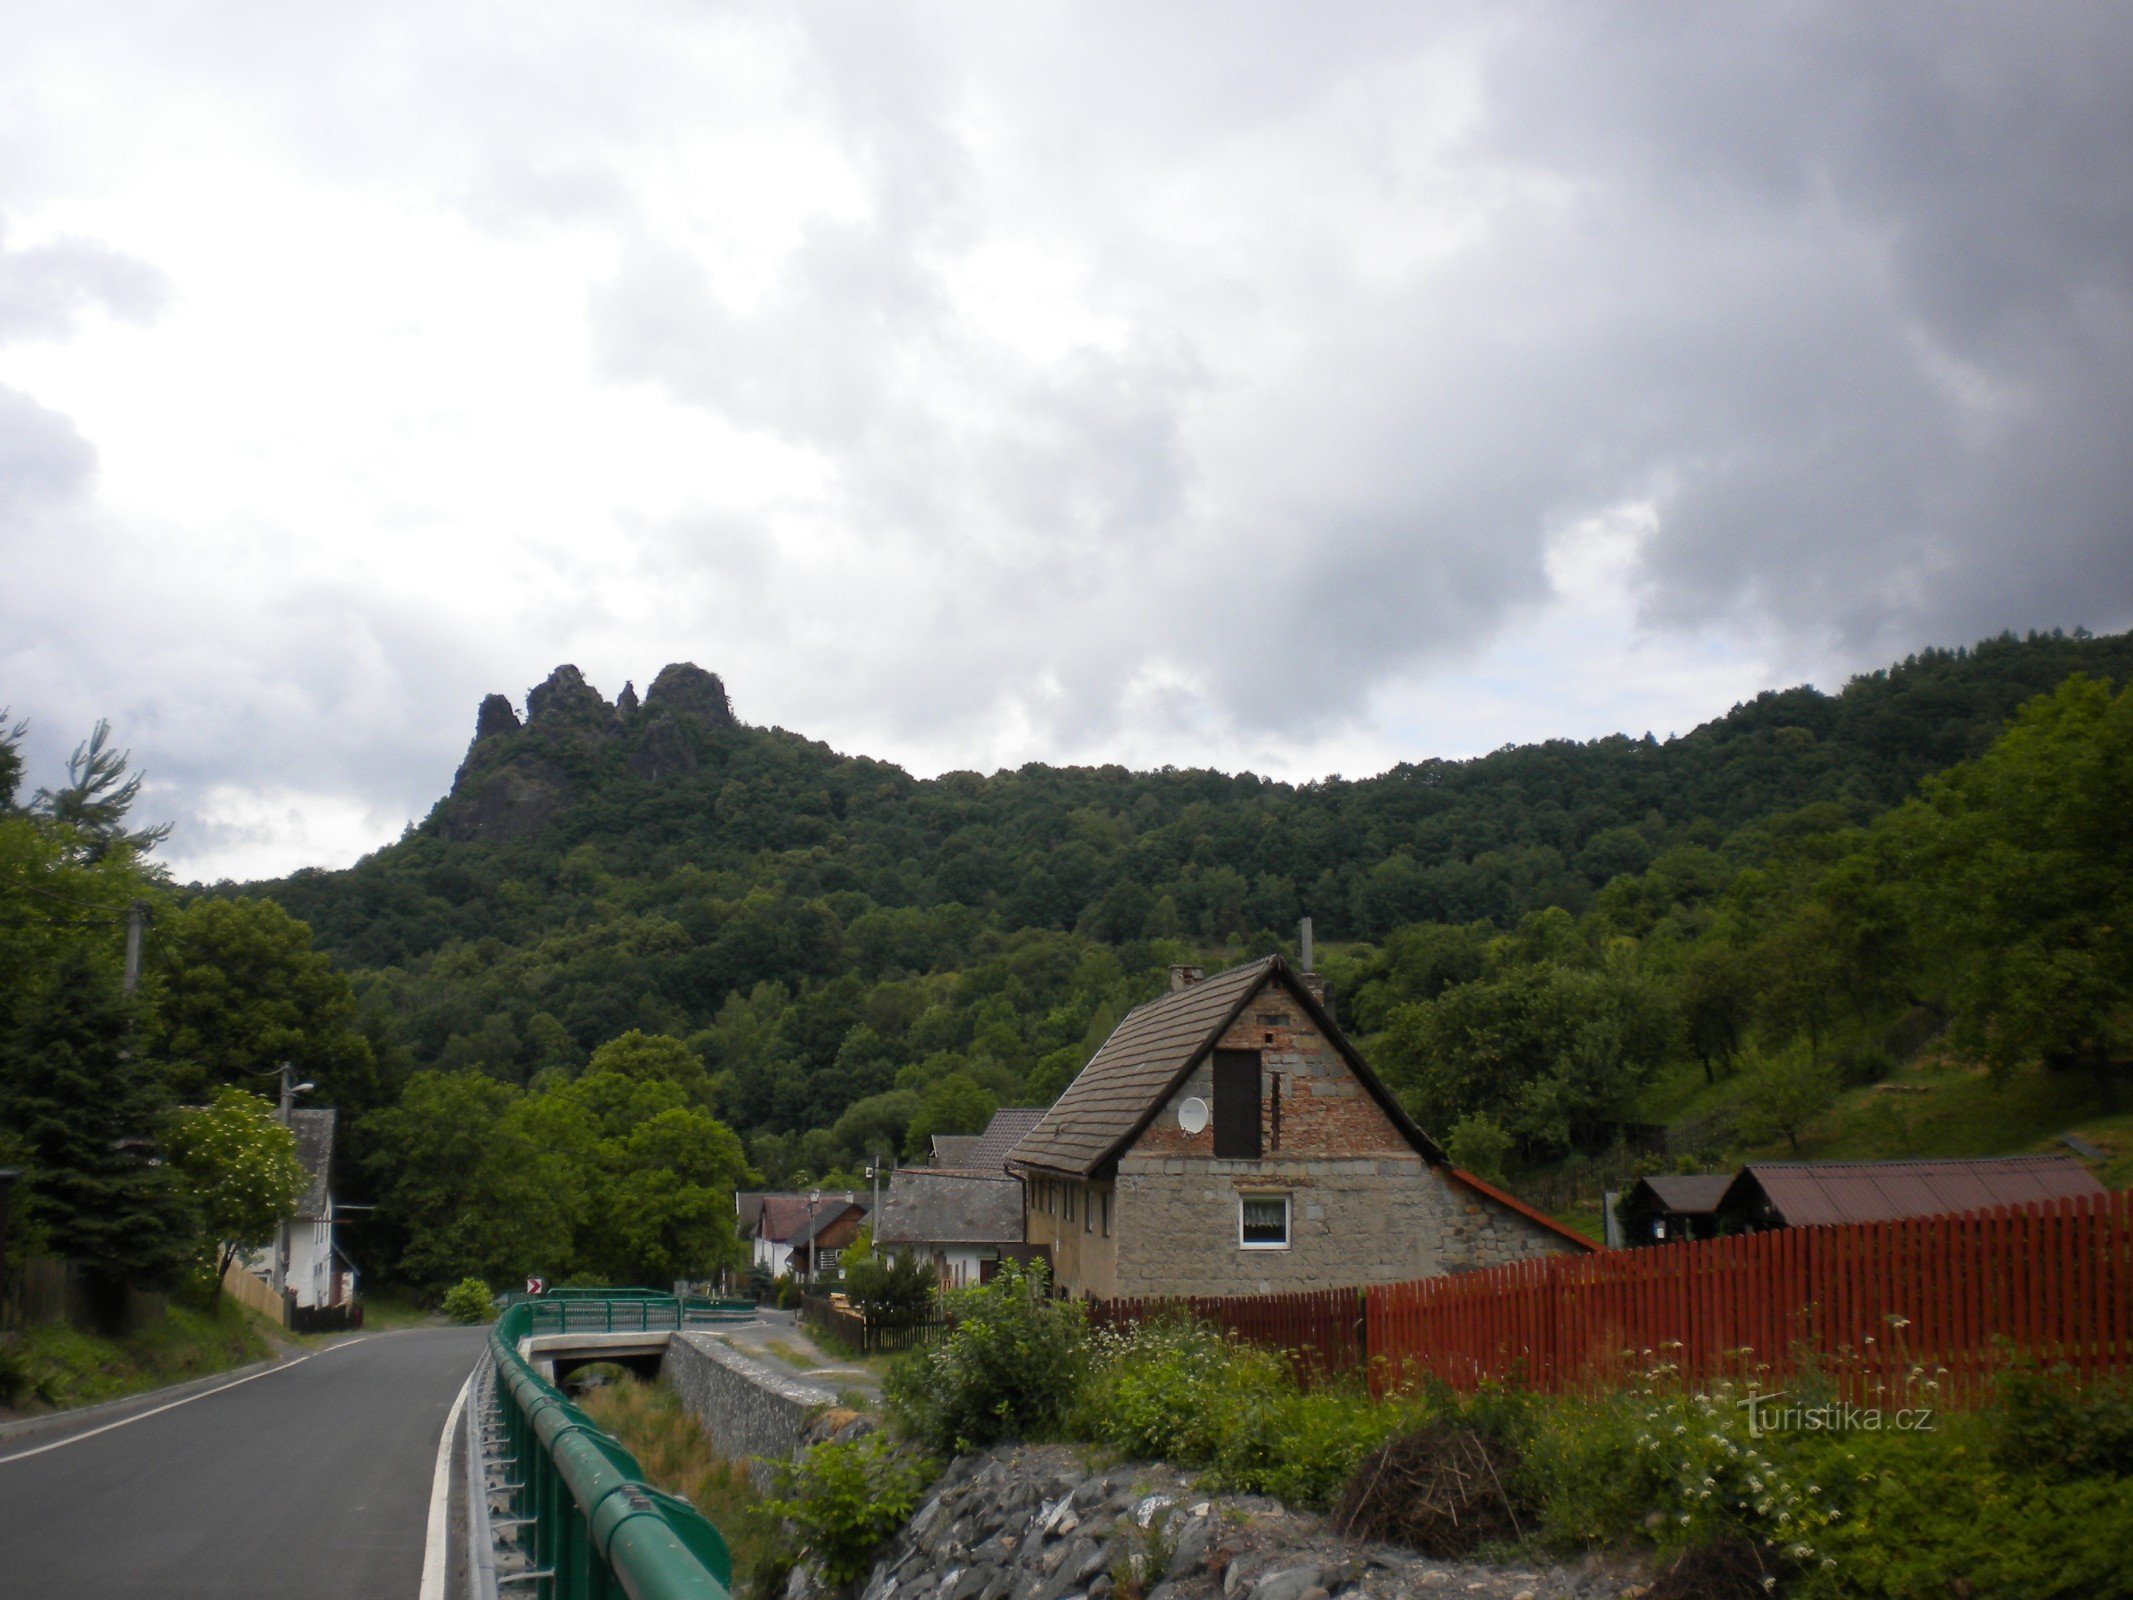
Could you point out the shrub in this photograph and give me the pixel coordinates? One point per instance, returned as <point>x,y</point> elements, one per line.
<point>892,1291</point>
<point>1009,1368</point>
<point>847,1499</point>
<point>2043,1423</point>
<point>469,1300</point>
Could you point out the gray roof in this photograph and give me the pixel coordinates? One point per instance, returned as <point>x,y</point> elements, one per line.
<point>927,1206</point>
<point>832,1210</point>
<point>1687,1193</point>
<point>314,1152</point>
<point>955,1149</point>
<point>1150,1053</point>
<point>1001,1135</point>
<point>1805,1193</point>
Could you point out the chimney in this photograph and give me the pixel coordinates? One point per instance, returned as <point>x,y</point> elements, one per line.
<point>1303,943</point>
<point>1185,977</point>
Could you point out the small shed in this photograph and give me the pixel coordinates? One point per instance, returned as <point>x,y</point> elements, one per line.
<point>1802,1194</point>
<point>1671,1207</point>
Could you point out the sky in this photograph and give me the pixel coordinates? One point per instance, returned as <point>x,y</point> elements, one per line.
<point>1269,386</point>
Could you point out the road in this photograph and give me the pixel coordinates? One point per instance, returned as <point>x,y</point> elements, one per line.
<point>311,1480</point>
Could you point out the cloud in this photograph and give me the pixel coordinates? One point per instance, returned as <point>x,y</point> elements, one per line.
<point>1247,384</point>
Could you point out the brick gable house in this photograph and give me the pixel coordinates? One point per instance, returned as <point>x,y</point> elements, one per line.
<point>1228,1139</point>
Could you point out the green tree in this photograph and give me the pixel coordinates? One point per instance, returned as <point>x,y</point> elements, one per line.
<point>239,1165</point>
<point>240,990</point>
<point>476,1187</point>
<point>89,1110</point>
<point>94,800</point>
<point>1781,1097</point>
<point>955,1103</point>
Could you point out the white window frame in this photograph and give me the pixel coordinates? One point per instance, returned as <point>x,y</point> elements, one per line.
<point>1288,1223</point>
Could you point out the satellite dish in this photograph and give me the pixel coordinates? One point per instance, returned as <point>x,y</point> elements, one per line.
<point>1192,1115</point>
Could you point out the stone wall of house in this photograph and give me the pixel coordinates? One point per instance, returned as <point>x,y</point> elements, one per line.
<point>1350,1222</point>
<point>1482,1232</point>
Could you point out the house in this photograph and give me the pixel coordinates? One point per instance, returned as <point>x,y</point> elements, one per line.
<point>965,1223</point>
<point>316,1275</point>
<point>1801,1194</point>
<point>1671,1207</point>
<point>1228,1139</point>
<point>776,1227</point>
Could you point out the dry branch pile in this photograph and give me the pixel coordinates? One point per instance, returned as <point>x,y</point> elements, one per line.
<point>1440,1490</point>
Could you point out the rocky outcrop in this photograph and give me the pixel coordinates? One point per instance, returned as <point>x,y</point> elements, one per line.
<point>686,688</point>
<point>1023,1522</point>
<point>517,778</point>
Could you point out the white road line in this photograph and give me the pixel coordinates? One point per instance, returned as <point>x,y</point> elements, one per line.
<point>143,1416</point>
<point>435,1560</point>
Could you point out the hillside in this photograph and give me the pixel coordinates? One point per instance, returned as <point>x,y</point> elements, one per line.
<point>859,958</point>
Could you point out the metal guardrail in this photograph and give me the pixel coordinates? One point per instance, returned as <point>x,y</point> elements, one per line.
<point>593,1529</point>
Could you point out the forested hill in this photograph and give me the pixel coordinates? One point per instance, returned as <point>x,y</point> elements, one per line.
<point>674,806</point>
<point>836,960</point>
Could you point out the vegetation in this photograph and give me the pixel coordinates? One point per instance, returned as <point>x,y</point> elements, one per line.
<point>2030,1497</point>
<point>845,1500</point>
<point>61,1366</point>
<point>469,1300</point>
<point>240,1167</point>
<point>1009,1368</point>
<point>677,1456</point>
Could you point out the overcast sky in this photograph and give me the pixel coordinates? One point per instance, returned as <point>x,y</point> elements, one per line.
<point>1290,387</point>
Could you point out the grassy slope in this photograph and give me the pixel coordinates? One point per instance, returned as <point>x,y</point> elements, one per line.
<point>59,1366</point>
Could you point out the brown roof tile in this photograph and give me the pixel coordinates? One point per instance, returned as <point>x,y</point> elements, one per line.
<point>1149,1053</point>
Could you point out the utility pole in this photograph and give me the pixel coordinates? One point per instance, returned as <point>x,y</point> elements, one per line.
<point>874,1172</point>
<point>281,1228</point>
<point>135,915</point>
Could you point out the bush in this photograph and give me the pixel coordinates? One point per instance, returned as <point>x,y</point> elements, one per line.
<point>2043,1423</point>
<point>1179,1391</point>
<point>469,1300</point>
<point>846,1500</point>
<point>892,1292</point>
<point>1009,1368</point>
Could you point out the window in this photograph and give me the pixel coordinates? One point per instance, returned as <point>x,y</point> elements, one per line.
<point>1236,1105</point>
<point>1263,1221</point>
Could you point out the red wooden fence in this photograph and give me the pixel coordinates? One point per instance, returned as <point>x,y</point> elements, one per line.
<point>1322,1332</point>
<point>1864,1304</point>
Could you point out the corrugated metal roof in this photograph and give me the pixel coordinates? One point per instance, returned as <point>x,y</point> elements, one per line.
<point>926,1206</point>
<point>1688,1193</point>
<point>1805,1194</point>
<point>314,1152</point>
<point>1148,1055</point>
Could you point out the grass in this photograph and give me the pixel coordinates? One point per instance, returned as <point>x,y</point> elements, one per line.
<point>676,1455</point>
<point>386,1309</point>
<point>57,1366</point>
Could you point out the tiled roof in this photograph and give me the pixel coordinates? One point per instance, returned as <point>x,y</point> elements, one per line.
<point>1148,1055</point>
<point>1810,1192</point>
<point>314,1151</point>
<point>925,1206</point>
<point>954,1149</point>
<point>998,1141</point>
<point>781,1216</point>
<point>828,1213</point>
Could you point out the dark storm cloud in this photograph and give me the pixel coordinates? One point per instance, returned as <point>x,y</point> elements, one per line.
<point>1842,291</point>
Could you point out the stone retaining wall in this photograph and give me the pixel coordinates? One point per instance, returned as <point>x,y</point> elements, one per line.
<point>751,1412</point>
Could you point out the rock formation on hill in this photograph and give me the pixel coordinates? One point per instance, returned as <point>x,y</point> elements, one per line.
<point>517,777</point>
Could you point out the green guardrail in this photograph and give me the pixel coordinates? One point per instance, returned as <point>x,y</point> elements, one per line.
<point>598,1530</point>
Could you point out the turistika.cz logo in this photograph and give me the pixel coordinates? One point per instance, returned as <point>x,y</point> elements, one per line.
<point>1769,1413</point>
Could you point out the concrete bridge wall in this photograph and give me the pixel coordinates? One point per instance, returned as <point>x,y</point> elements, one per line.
<point>751,1413</point>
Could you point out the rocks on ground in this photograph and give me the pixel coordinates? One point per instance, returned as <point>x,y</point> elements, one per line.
<point>1034,1522</point>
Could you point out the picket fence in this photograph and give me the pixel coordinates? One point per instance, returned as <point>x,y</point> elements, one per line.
<point>1872,1310</point>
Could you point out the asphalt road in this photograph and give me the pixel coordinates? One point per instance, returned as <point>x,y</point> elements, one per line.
<point>311,1480</point>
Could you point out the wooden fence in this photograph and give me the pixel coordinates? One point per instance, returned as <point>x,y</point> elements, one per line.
<point>868,1338</point>
<point>1862,1304</point>
<point>1322,1332</point>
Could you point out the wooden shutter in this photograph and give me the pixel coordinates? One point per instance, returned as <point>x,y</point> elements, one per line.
<point>1236,1105</point>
